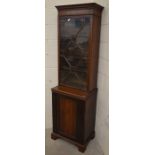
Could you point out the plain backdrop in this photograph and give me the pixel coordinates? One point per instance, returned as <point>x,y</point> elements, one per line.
<point>51,69</point>
<point>131,77</point>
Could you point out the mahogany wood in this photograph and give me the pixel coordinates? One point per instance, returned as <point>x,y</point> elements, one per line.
<point>74,109</point>
<point>94,37</point>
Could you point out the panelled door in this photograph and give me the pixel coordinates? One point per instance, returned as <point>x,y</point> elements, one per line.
<point>74,45</point>
<point>69,117</point>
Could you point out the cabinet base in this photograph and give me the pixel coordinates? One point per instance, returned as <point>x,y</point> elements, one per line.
<point>54,136</point>
<point>92,136</point>
<point>81,147</point>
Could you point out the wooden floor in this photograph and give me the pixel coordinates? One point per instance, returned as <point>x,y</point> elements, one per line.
<point>60,147</point>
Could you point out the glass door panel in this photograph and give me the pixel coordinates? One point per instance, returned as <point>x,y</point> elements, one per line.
<point>74,35</point>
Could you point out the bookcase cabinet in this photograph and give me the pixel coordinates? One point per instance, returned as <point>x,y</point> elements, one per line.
<point>74,99</point>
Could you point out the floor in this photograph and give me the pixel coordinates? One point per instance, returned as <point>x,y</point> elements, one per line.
<point>60,147</point>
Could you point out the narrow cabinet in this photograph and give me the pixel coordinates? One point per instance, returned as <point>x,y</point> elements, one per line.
<point>74,99</point>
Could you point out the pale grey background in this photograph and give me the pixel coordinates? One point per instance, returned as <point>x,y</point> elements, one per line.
<point>101,141</point>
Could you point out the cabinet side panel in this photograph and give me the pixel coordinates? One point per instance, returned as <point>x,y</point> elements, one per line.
<point>80,121</point>
<point>54,111</point>
<point>90,115</point>
<point>94,52</point>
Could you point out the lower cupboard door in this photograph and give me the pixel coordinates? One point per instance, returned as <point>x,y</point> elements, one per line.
<point>70,117</point>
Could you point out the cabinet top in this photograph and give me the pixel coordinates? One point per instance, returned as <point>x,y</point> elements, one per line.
<point>79,6</point>
<point>80,9</point>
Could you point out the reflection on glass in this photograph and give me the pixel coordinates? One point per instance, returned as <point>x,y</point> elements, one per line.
<point>74,34</point>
